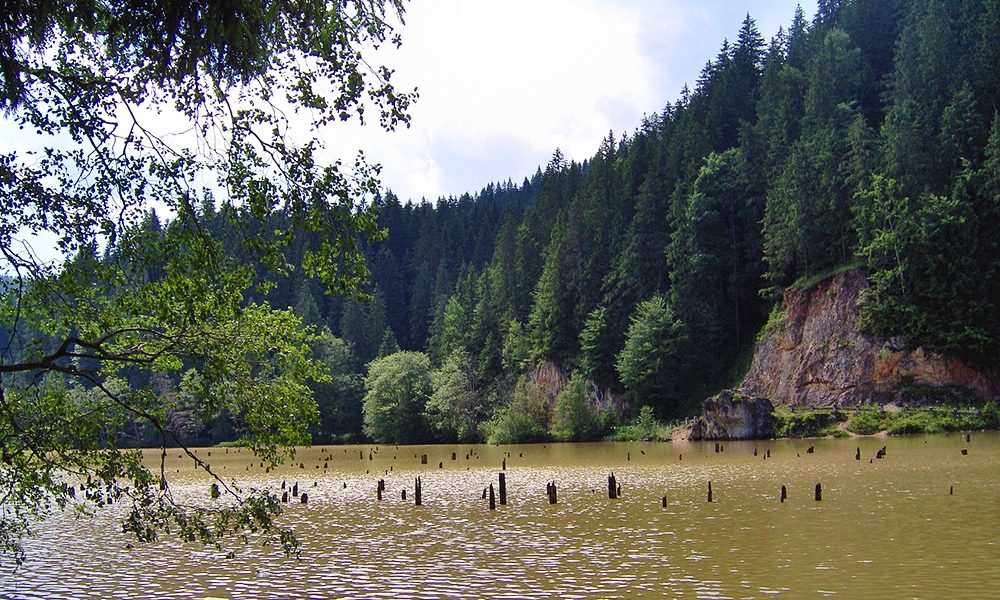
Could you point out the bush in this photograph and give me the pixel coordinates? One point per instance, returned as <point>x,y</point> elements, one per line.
<point>645,427</point>
<point>574,418</point>
<point>805,424</point>
<point>524,419</point>
<point>867,423</point>
<point>911,423</point>
<point>991,416</point>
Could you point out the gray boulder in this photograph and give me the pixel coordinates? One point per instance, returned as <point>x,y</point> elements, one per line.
<point>734,416</point>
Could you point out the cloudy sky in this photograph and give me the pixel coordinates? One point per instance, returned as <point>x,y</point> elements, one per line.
<point>503,84</point>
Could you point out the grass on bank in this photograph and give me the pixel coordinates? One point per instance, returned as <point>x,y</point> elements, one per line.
<point>870,422</point>
<point>938,420</point>
<point>788,424</point>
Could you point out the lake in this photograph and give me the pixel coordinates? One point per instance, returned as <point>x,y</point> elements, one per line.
<point>923,522</point>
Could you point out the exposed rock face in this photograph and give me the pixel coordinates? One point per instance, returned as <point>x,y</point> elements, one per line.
<point>552,379</point>
<point>817,357</point>
<point>733,416</point>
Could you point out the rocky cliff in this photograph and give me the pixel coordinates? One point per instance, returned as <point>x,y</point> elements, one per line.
<point>814,355</point>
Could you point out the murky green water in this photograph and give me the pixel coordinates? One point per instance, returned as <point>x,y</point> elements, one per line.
<point>887,528</point>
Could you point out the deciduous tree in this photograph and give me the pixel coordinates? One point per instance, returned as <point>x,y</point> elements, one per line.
<point>92,79</point>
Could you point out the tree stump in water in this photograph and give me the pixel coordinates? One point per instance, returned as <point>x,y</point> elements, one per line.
<point>493,498</point>
<point>819,492</point>
<point>612,487</point>
<point>503,489</point>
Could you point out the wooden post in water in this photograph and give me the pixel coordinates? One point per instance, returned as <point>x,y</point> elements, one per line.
<point>423,459</point>
<point>819,492</point>
<point>416,492</point>
<point>968,438</point>
<point>612,487</point>
<point>951,491</point>
<point>493,498</point>
<point>857,454</point>
<point>305,498</point>
<point>503,465</point>
<point>284,496</point>
<point>784,493</point>
<point>402,495</point>
<point>215,491</point>
<point>295,489</point>
<point>709,491</point>
<point>454,456</point>
<point>810,450</point>
<point>503,489</point>
<point>664,502</point>
<point>553,493</point>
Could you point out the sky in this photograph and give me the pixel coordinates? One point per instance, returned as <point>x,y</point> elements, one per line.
<point>503,84</point>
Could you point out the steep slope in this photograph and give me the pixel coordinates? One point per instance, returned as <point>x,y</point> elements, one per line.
<point>814,355</point>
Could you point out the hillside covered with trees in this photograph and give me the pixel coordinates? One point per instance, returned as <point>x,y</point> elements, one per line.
<point>868,136</point>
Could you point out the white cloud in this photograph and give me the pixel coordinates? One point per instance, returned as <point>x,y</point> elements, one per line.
<point>503,84</point>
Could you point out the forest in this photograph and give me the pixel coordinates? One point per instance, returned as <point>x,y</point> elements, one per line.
<point>867,137</point>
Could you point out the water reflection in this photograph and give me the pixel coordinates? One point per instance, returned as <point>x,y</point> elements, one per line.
<point>885,528</point>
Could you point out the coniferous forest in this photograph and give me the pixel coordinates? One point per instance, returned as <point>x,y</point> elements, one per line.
<point>865,137</point>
